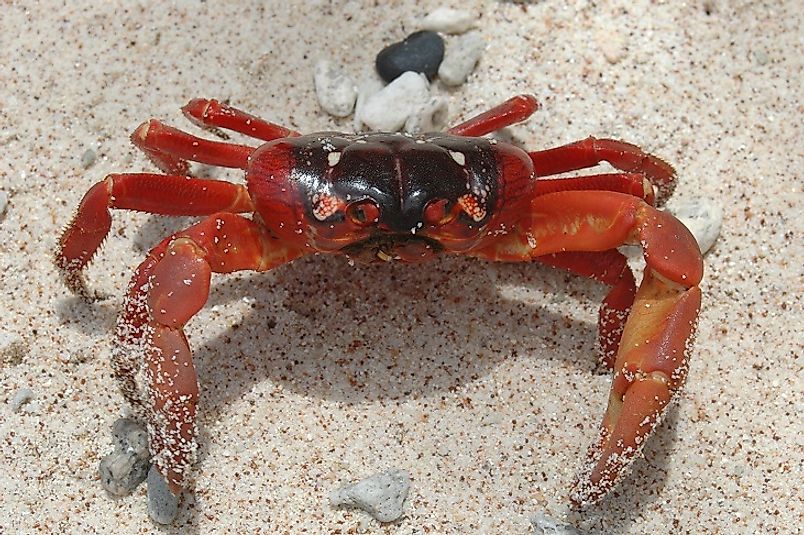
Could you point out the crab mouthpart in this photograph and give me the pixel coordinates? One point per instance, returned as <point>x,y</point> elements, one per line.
<point>389,247</point>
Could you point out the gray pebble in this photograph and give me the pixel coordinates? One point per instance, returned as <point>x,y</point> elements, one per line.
<point>335,89</point>
<point>544,525</point>
<point>420,52</point>
<point>21,397</point>
<point>431,116</point>
<point>460,59</point>
<point>3,202</point>
<point>163,505</point>
<point>381,495</point>
<point>448,20</point>
<point>122,471</point>
<point>702,216</point>
<point>389,109</point>
<point>88,158</point>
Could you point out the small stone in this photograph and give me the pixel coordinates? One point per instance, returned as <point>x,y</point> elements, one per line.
<point>365,89</point>
<point>544,525</point>
<point>12,349</point>
<point>21,397</point>
<point>420,52</point>
<point>761,57</point>
<point>431,116</point>
<point>381,495</point>
<point>88,158</point>
<point>612,45</point>
<point>335,89</point>
<point>702,216</point>
<point>3,202</point>
<point>389,109</point>
<point>460,58</point>
<point>448,20</point>
<point>163,505</point>
<point>122,471</point>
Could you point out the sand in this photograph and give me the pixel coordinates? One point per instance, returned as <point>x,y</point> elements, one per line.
<point>477,379</point>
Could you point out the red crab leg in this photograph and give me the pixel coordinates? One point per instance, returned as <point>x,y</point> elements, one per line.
<point>631,183</point>
<point>611,268</point>
<point>624,156</point>
<point>652,361</point>
<point>212,113</point>
<point>512,111</point>
<point>167,290</point>
<point>154,193</point>
<point>170,148</point>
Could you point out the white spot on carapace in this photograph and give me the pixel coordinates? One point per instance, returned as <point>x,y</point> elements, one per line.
<point>472,206</point>
<point>459,157</point>
<point>333,158</point>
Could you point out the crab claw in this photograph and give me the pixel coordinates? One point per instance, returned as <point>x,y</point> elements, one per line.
<point>649,371</point>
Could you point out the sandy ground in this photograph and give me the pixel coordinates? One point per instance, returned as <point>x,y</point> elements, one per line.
<point>478,379</point>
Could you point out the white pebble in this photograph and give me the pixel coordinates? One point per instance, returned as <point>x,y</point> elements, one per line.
<point>544,525</point>
<point>612,45</point>
<point>448,20</point>
<point>460,58</point>
<point>335,89</point>
<point>3,202</point>
<point>368,87</point>
<point>88,158</point>
<point>382,495</point>
<point>389,109</point>
<point>702,216</point>
<point>429,117</point>
<point>23,396</point>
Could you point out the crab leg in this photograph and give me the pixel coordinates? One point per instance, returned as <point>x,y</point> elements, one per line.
<point>154,193</point>
<point>652,361</point>
<point>512,111</point>
<point>167,290</point>
<point>623,156</point>
<point>631,183</point>
<point>611,268</point>
<point>208,113</point>
<point>170,148</point>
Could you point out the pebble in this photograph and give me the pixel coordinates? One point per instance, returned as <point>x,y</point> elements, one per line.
<point>381,495</point>
<point>3,202</point>
<point>420,52</point>
<point>124,469</point>
<point>448,20</point>
<point>389,109</point>
<point>544,525</point>
<point>702,216</point>
<point>365,89</point>
<point>431,116</point>
<point>163,505</point>
<point>460,58</point>
<point>21,397</point>
<point>336,91</point>
<point>12,349</point>
<point>612,45</point>
<point>88,158</point>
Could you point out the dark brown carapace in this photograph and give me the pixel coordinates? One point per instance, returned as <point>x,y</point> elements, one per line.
<point>382,197</point>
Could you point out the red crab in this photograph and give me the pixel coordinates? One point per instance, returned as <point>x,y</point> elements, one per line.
<point>380,197</point>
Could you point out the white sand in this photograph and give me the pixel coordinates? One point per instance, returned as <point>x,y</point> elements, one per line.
<point>321,373</point>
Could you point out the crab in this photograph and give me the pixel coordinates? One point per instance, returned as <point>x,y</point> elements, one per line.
<point>382,197</point>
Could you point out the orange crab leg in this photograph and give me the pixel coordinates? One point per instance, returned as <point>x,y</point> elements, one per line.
<point>631,183</point>
<point>212,113</point>
<point>154,193</point>
<point>652,361</point>
<point>167,290</point>
<point>169,148</point>
<point>611,268</point>
<point>623,156</point>
<point>512,111</point>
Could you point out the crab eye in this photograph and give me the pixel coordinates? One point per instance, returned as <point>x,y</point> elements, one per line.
<point>438,212</point>
<point>363,213</point>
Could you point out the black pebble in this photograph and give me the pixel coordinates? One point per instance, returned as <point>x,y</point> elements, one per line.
<point>419,52</point>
